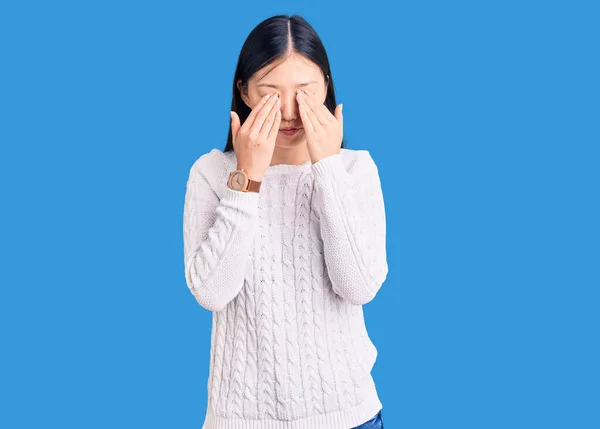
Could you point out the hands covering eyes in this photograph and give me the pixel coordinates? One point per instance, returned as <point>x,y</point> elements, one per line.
<point>324,131</point>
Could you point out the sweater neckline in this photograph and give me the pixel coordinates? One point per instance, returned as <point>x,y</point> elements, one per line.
<point>288,168</point>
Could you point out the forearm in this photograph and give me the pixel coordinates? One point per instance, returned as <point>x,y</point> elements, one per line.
<point>217,256</point>
<point>353,227</point>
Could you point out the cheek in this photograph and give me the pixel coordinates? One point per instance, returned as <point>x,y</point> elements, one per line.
<point>320,95</point>
<point>255,98</point>
<point>317,95</point>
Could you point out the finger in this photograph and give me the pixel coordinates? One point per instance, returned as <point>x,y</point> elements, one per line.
<point>235,125</point>
<point>338,114</point>
<point>340,118</point>
<point>275,126</point>
<point>261,116</point>
<point>306,121</point>
<point>309,113</point>
<point>254,112</point>
<point>266,127</point>
<point>321,111</point>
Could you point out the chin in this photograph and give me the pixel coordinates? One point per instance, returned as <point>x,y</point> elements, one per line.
<point>291,141</point>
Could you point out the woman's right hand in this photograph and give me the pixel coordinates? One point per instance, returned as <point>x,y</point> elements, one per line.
<point>254,142</point>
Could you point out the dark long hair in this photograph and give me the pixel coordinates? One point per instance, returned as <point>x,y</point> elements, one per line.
<point>268,42</point>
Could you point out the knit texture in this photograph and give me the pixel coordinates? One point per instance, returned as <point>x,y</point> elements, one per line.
<point>285,272</point>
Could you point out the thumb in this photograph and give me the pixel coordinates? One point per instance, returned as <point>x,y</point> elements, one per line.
<point>235,124</point>
<point>338,114</point>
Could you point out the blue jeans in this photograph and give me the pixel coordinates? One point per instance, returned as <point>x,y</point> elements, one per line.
<point>375,423</point>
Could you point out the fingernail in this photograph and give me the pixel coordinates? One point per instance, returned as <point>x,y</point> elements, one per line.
<point>341,107</point>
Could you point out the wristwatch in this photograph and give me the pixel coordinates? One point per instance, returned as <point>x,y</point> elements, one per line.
<point>239,181</point>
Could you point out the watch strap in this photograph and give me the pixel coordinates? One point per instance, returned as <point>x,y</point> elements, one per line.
<point>249,186</point>
<point>253,185</point>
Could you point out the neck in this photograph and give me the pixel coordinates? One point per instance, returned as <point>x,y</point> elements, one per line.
<point>295,155</point>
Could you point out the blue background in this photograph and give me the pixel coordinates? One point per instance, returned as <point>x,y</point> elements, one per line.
<point>482,116</point>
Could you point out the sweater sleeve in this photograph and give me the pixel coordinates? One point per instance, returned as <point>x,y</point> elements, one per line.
<point>349,201</point>
<point>218,234</point>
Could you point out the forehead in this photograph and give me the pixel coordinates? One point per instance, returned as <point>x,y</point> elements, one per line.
<point>290,72</point>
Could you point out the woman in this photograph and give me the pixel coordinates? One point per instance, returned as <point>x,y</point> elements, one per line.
<point>284,241</point>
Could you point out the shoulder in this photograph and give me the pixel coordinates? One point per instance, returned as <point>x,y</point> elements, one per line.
<point>214,167</point>
<point>358,161</point>
<point>211,162</point>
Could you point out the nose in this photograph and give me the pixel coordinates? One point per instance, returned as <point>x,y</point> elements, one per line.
<point>289,109</point>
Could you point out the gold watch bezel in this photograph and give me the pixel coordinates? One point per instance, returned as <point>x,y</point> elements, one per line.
<point>235,185</point>
<point>249,185</point>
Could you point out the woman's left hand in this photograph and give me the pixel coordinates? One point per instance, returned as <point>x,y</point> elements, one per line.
<point>324,131</point>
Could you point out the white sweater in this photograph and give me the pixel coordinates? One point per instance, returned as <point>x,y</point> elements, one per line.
<point>285,272</point>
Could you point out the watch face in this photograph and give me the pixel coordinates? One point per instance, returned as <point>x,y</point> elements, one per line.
<point>238,180</point>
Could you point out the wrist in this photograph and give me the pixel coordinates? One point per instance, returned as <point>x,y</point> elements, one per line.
<point>241,180</point>
<point>251,174</point>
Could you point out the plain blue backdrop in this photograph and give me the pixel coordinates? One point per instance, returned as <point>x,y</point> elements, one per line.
<point>482,116</point>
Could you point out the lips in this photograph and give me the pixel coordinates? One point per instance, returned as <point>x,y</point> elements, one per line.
<point>288,131</point>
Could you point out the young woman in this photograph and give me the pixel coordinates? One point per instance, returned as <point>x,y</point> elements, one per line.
<point>284,241</point>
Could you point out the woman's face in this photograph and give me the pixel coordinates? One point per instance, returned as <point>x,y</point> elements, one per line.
<point>285,78</point>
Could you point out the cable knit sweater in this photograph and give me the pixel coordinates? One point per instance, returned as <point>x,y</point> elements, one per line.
<point>285,273</point>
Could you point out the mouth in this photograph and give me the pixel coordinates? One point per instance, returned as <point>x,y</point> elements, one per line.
<point>289,131</point>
